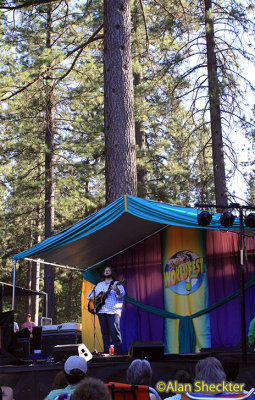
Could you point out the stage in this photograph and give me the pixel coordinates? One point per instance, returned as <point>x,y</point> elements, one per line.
<point>32,381</point>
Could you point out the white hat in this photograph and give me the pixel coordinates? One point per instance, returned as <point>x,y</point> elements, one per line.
<point>75,362</point>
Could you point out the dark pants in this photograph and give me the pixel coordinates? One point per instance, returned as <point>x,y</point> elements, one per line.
<point>110,328</point>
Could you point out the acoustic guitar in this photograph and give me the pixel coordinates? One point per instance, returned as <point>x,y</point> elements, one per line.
<point>94,307</point>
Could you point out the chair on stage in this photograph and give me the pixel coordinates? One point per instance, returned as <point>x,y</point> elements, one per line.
<point>121,391</point>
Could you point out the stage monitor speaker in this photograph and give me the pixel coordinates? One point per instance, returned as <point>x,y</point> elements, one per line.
<point>62,352</point>
<point>151,350</point>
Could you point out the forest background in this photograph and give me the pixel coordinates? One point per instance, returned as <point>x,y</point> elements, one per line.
<point>103,98</point>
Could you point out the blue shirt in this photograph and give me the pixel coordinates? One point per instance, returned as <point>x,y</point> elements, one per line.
<point>54,393</point>
<point>113,303</point>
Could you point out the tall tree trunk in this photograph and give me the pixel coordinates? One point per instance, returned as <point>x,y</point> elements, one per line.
<point>49,272</point>
<point>215,113</point>
<point>119,126</point>
<point>139,126</point>
<point>37,266</point>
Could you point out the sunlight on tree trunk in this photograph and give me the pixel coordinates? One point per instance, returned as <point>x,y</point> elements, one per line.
<point>215,114</point>
<point>119,126</point>
<point>49,272</point>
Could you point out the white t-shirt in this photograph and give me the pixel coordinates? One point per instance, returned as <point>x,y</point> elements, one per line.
<point>15,327</point>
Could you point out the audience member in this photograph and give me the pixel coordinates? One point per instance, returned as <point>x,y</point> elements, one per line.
<point>251,333</point>
<point>140,373</point>
<point>181,376</point>
<point>6,393</point>
<point>15,327</point>
<point>29,324</point>
<point>231,368</point>
<point>246,376</point>
<point>91,389</point>
<point>210,371</point>
<point>75,369</point>
<point>60,381</point>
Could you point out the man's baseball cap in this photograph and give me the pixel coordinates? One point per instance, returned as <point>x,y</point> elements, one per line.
<point>75,362</point>
<point>28,315</point>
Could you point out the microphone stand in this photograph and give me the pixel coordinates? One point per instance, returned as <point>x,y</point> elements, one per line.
<point>95,352</point>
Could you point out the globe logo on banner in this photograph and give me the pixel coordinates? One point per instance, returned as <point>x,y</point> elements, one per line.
<point>184,272</point>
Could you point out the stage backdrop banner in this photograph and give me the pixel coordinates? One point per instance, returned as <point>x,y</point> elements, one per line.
<point>185,283</point>
<point>88,322</point>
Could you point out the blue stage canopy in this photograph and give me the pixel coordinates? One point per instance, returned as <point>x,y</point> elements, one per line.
<point>113,229</point>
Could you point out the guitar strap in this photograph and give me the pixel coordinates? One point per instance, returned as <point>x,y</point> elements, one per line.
<point>111,283</point>
<point>108,291</point>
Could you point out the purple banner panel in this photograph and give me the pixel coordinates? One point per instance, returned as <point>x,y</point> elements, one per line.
<point>141,267</point>
<point>223,260</point>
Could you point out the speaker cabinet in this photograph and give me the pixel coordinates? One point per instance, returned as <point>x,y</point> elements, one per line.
<point>151,350</point>
<point>51,339</point>
<point>21,348</point>
<point>62,352</point>
<point>36,340</point>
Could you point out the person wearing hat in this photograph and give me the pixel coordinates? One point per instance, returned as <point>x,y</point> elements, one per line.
<point>29,324</point>
<point>75,369</point>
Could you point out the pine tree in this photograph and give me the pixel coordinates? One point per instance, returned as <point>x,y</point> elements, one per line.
<point>119,126</point>
<point>220,91</point>
<point>40,71</point>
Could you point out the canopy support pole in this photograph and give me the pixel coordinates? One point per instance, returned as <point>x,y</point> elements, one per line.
<point>242,290</point>
<point>14,281</point>
<point>53,264</point>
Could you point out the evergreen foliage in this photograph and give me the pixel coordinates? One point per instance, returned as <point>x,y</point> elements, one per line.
<point>173,136</point>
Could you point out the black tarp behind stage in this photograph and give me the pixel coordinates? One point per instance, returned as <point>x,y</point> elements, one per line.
<point>6,326</point>
<point>7,337</point>
<point>6,290</point>
<point>32,382</point>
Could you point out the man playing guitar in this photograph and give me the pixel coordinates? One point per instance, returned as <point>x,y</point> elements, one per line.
<point>109,312</point>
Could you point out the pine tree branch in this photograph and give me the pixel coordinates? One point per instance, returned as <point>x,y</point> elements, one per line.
<point>146,29</point>
<point>48,69</point>
<point>25,4</point>
<point>74,62</point>
<point>91,39</point>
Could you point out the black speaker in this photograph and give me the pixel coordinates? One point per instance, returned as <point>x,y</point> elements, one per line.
<point>62,352</point>
<point>151,350</point>
<point>51,339</point>
<point>21,348</point>
<point>36,340</point>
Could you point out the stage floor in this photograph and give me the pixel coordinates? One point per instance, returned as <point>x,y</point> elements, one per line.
<point>34,381</point>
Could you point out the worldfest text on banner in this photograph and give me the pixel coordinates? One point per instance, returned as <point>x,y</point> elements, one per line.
<point>185,283</point>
